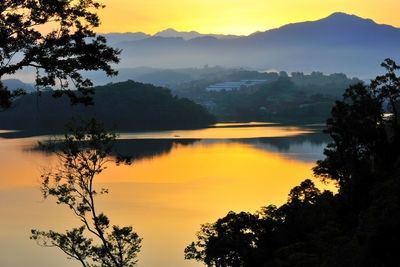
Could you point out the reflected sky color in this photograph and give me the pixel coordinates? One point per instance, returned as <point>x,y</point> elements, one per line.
<point>165,197</point>
<point>222,132</point>
<point>233,124</point>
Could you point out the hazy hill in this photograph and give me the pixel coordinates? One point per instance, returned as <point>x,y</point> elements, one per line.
<point>191,35</point>
<point>13,84</point>
<point>114,37</point>
<point>167,77</point>
<point>338,43</point>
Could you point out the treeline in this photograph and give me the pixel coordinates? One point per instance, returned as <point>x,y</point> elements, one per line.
<point>129,106</point>
<point>297,98</point>
<point>358,226</point>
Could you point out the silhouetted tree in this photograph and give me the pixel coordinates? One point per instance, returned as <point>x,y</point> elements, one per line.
<point>84,153</point>
<point>358,226</point>
<point>364,158</point>
<point>356,128</point>
<point>266,238</point>
<point>59,55</point>
<point>387,88</point>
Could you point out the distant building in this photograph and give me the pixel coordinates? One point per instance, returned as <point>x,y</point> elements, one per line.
<point>210,105</point>
<point>229,86</point>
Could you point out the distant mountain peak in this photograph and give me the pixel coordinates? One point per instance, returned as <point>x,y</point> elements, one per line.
<point>340,14</point>
<point>174,33</point>
<point>344,17</point>
<point>330,25</point>
<point>169,30</point>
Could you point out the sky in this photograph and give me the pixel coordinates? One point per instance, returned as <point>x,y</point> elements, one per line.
<point>239,17</point>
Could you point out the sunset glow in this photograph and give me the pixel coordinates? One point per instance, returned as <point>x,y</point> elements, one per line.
<point>233,17</point>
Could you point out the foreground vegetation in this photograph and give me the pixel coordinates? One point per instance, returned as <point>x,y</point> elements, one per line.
<point>358,226</point>
<point>83,154</point>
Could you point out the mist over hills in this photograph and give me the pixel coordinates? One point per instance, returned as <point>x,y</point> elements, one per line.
<point>13,84</point>
<point>115,37</point>
<point>191,35</point>
<point>338,43</point>
<point>168,77</point>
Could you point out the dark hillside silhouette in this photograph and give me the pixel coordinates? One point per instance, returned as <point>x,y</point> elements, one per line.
<point>130,106</point>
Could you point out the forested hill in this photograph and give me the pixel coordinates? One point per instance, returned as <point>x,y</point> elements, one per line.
<point>298,98</point>
<point>129,106</point>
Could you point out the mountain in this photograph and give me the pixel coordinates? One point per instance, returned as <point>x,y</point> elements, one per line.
<point>336,29</point>
<point>13,84</point>
<point>191,35</point>
<point>115,37</point>
<point>338,43</point>
<point>173,33</point>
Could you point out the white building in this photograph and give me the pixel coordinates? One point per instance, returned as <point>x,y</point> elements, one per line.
<point>229,86</point>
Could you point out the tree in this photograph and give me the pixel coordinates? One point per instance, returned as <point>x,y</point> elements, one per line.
<point>356,128</point>
<point>364,158</point>
<point>228,242</point>
<point>355,227</point>
<point>365,143</point>
<point>58,55</point>
<point>84,153</point>
<point>387,88</point>
<point>270,237</point>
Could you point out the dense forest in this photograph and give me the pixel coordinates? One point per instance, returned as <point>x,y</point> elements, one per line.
<point>127,106</point>
<point>295,98</point>
<point>358,226</point>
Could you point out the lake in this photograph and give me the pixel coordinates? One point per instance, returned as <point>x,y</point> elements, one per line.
<point>179,180</point>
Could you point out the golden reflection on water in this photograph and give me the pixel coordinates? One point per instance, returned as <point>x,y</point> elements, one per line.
<point>221,133</point>
<point>235,124</point>
<point>230,163</point>
<point>165,198</point>
<point>18,165</point>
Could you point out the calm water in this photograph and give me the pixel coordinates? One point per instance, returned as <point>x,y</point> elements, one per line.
<point>179,180</point>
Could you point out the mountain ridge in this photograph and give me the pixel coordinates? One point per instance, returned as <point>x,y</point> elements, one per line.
<point>337,43</point>
<point>188,35</point>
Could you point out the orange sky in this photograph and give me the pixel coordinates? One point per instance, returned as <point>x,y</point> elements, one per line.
<point>233,16</point>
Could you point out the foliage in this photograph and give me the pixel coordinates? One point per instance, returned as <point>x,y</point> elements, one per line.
<point>267,238</point>
<point>58,55</point>
<point>387,88</point>
<point>84,153</point>
<point>360,109</point>
<point>355,227</point>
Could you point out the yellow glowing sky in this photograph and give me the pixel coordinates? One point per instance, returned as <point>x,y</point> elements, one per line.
<point>233,16</point>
